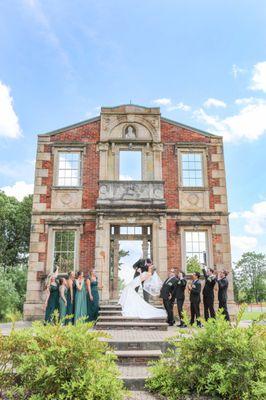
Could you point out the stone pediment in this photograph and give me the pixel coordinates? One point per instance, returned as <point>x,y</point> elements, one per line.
<point>130,122</point>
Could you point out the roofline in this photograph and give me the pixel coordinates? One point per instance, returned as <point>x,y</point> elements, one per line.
<point>131,104</point>
<point>190,127</point>
<point>67,128</point>
<point>97,118</point>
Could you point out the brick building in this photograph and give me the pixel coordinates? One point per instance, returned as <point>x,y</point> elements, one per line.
<point>82,205</point>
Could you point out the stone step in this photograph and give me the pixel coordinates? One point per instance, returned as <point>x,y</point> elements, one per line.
<point>132,325</point>
<point>110,307</point>
<point>139,345</point>
<point>134,376</point>
<point>137,357</point>
<point>110,312</point>
<point>117,318</point>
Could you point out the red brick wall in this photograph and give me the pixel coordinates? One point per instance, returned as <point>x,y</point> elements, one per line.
<point>170,135</point>
<point>173,245</point>
<point>87,247</point>
<point>89,134</point>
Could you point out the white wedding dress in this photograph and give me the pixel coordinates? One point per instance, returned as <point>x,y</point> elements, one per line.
<point>134,306</point>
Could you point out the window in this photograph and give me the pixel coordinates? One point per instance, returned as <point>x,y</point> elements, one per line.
<point>195,246</point>
<point>192,174</point>
<point>130,230</point>
<point>64,250</point>
<point>130,165</point>
<point>68,169</point>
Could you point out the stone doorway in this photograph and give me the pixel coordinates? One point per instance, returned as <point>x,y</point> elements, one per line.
<point>120,236</point>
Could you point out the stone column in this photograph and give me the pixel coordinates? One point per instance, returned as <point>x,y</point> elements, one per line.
<point>103,149</point>
<point>102,249</point>
<point>157,160</point>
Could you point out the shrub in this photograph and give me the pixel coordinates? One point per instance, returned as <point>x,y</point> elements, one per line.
<point>54,362</point>
<point>220,360</point>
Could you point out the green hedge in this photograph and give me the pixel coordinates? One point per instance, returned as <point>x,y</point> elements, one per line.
<point>58,363</point>
<point>222,361</point>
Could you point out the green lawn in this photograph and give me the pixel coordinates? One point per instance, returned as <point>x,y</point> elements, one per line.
<point>249,315</point>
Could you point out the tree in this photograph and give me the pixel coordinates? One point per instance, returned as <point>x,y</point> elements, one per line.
<point>193,265</point>
<point>15,222</point>
<point>250,277</point>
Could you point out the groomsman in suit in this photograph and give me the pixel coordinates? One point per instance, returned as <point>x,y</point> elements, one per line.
<point>222,293</point>
<point>180,296</point>
<point>208,293</point>
<point>168,294</point>
<point>142,265</point>
<point>195,289</point>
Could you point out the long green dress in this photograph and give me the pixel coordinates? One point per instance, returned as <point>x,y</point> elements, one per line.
<point>62,306</point>
<point>53,303</point>
<point>93,305</point>
<point>80,302</point>
<point>70,305</point>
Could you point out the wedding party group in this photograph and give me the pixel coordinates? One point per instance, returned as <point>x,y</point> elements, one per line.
<point>74,298</point>
<point>173,290</point>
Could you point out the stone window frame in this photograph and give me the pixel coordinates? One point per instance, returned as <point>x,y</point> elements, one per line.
<point>200,149</point>
<point>209,245</point>
<point>130,147</point>
<point>67,149</point>
<point>51,243</point>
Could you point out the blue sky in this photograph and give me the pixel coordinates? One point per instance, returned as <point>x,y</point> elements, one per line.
<point>202,61</point>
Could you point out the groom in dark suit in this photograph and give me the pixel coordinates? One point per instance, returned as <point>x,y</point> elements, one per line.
<point>168,294</point>
<point>142,265</point>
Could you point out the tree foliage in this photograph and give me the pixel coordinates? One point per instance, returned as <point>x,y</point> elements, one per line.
<point>193,265</point>
<point>250,277</point>
<point>15,222</point>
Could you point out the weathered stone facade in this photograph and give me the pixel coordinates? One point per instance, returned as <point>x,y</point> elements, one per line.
<point>102,201</point>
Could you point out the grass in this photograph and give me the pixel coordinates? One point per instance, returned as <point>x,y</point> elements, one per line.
<point>250,315</point>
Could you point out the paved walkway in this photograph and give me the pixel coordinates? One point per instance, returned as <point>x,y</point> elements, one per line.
<point>142,396</point>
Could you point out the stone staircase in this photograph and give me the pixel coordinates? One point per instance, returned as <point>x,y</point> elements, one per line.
<point>135,341</point>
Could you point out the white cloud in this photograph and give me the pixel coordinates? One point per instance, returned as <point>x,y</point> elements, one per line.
<point>9,124</point>
<point>211,102</point>
<point>162,102</point>
<point>245,100</point>
<point>249,123</point>
<point>255,219</point>
<point>242,244</point>
<point>179,106</point>
<point>19,190</point>
<point>258,81</point>
<point>236,70</point>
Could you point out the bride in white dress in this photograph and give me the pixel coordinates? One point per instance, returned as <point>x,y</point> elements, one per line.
<point>133,305</point>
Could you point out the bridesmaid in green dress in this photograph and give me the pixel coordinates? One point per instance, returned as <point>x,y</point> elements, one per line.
<point>52,299</point>
<point>92,297</point>
<point>80,298</point>
<point>70,297</point>
<point>62,300</point>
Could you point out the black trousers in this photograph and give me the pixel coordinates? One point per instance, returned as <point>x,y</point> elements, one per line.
<point>169,306</point>
<point>180,303</point>
<point>223,307</point>
<point>208,302</point>
<point>195,312</point>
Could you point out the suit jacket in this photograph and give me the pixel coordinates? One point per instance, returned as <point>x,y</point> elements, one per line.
<point>169,288</point>
<point>195,292</point>
<point>223,286</point>
<point>209,284</point>
<point>140,264</point>
<point>180,290</point>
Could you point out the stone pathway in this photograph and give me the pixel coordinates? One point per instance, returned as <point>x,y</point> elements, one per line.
<point>140,395</point>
